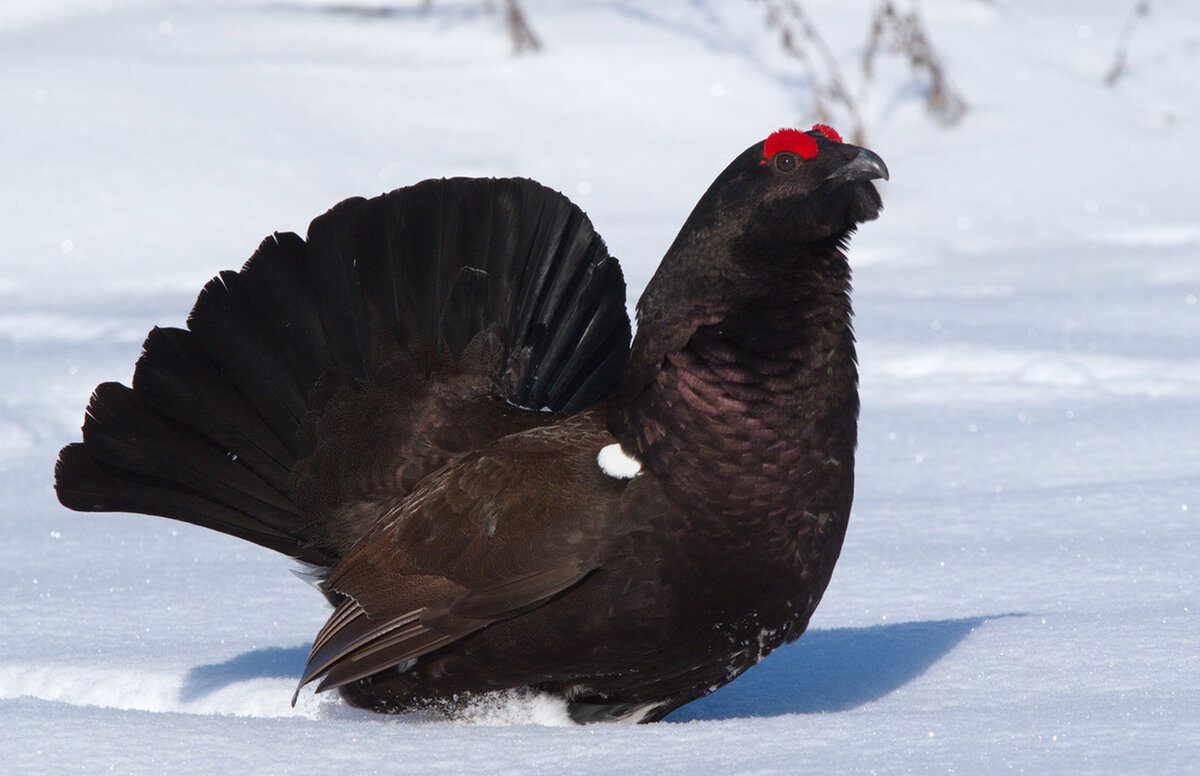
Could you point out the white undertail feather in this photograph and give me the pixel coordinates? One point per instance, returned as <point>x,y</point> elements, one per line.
<point>615,462</point>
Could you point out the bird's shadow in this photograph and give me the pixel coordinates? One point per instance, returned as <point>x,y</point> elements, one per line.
<point>825,671</point>
<point>268,663</point>
<point>834,670</point>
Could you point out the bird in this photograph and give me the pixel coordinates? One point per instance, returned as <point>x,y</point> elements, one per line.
<point>436,404</point>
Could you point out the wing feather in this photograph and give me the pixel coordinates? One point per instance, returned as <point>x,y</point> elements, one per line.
<point>466,549</point>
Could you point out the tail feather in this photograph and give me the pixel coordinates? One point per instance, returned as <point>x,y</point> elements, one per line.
<point>211,431</point>
<point>180,381</point>
<point>85,484</point>
<point>334,269</point>
<point>470,294</point>
<point>568,358</point>
<point>593,349</point>
<point>123,431</point>
<point>226,325</point>
<point>275,285</point>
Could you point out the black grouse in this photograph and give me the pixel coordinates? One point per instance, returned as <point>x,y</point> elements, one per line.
<point>432,402</point>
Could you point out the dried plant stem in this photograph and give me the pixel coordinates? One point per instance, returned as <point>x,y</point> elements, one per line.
<point>905,32</point>
<point>1121,56</point>
<point>519,30</point>
<point>797,34</point>
<point>522,35</point>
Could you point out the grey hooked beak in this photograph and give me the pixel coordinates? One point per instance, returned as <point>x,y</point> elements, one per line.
<point>865,166</point>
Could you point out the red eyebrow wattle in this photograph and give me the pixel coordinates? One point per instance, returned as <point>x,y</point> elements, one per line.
<point>790,140</point>
<point>828,132</point>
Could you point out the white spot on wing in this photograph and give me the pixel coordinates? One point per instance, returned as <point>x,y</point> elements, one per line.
<point>616,463</point>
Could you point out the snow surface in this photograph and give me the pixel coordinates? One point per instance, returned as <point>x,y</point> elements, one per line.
<point>1019,587</point>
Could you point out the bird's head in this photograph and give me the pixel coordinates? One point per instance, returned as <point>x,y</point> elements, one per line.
<point>814,173</point>
<point>792,189</point>
<point>786,203</point>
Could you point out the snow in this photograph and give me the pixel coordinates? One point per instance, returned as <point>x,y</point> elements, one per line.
<point>1018,590</point>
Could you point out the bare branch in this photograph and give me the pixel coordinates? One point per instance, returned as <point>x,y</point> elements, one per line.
<point>1121,56</point>
<point>905,34</point>
<point>797,34</point>
<point>522,35</point>
<point>892,30</point>
<point>518,28</point>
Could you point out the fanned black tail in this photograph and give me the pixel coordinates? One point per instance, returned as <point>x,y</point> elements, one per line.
<point>210,431</point>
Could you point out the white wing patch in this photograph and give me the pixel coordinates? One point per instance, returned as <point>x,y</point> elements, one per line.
<point>616,463</point>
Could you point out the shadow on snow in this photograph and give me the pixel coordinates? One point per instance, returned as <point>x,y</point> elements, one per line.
<point>268,663</point>
<point>825,671</point>
<point>834,670</point>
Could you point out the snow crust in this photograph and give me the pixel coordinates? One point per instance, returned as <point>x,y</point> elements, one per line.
<point>1019,588</point>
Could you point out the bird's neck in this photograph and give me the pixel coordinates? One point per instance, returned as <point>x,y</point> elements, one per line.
<point>750,419</point>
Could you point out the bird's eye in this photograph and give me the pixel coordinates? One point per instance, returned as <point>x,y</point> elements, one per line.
<point>786,161</point>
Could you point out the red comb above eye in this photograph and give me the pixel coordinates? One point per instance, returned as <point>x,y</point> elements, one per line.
<point>790,140</point>
<point>828,132</point>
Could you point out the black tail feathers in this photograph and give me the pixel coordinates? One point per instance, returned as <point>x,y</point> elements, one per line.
<point>210,431</point>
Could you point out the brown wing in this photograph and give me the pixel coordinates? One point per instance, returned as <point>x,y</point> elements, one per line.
<point>370,442</point>
<point>488,537</point>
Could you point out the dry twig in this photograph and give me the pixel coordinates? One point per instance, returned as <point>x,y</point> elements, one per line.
<point>522,35</point>
<point>796,34</point>
<point>891,29</point>
<point>1121,56</point>
<point>905,32</point>
<point>518,28</point>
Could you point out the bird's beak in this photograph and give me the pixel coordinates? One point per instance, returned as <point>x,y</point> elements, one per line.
<point>865,166</point>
